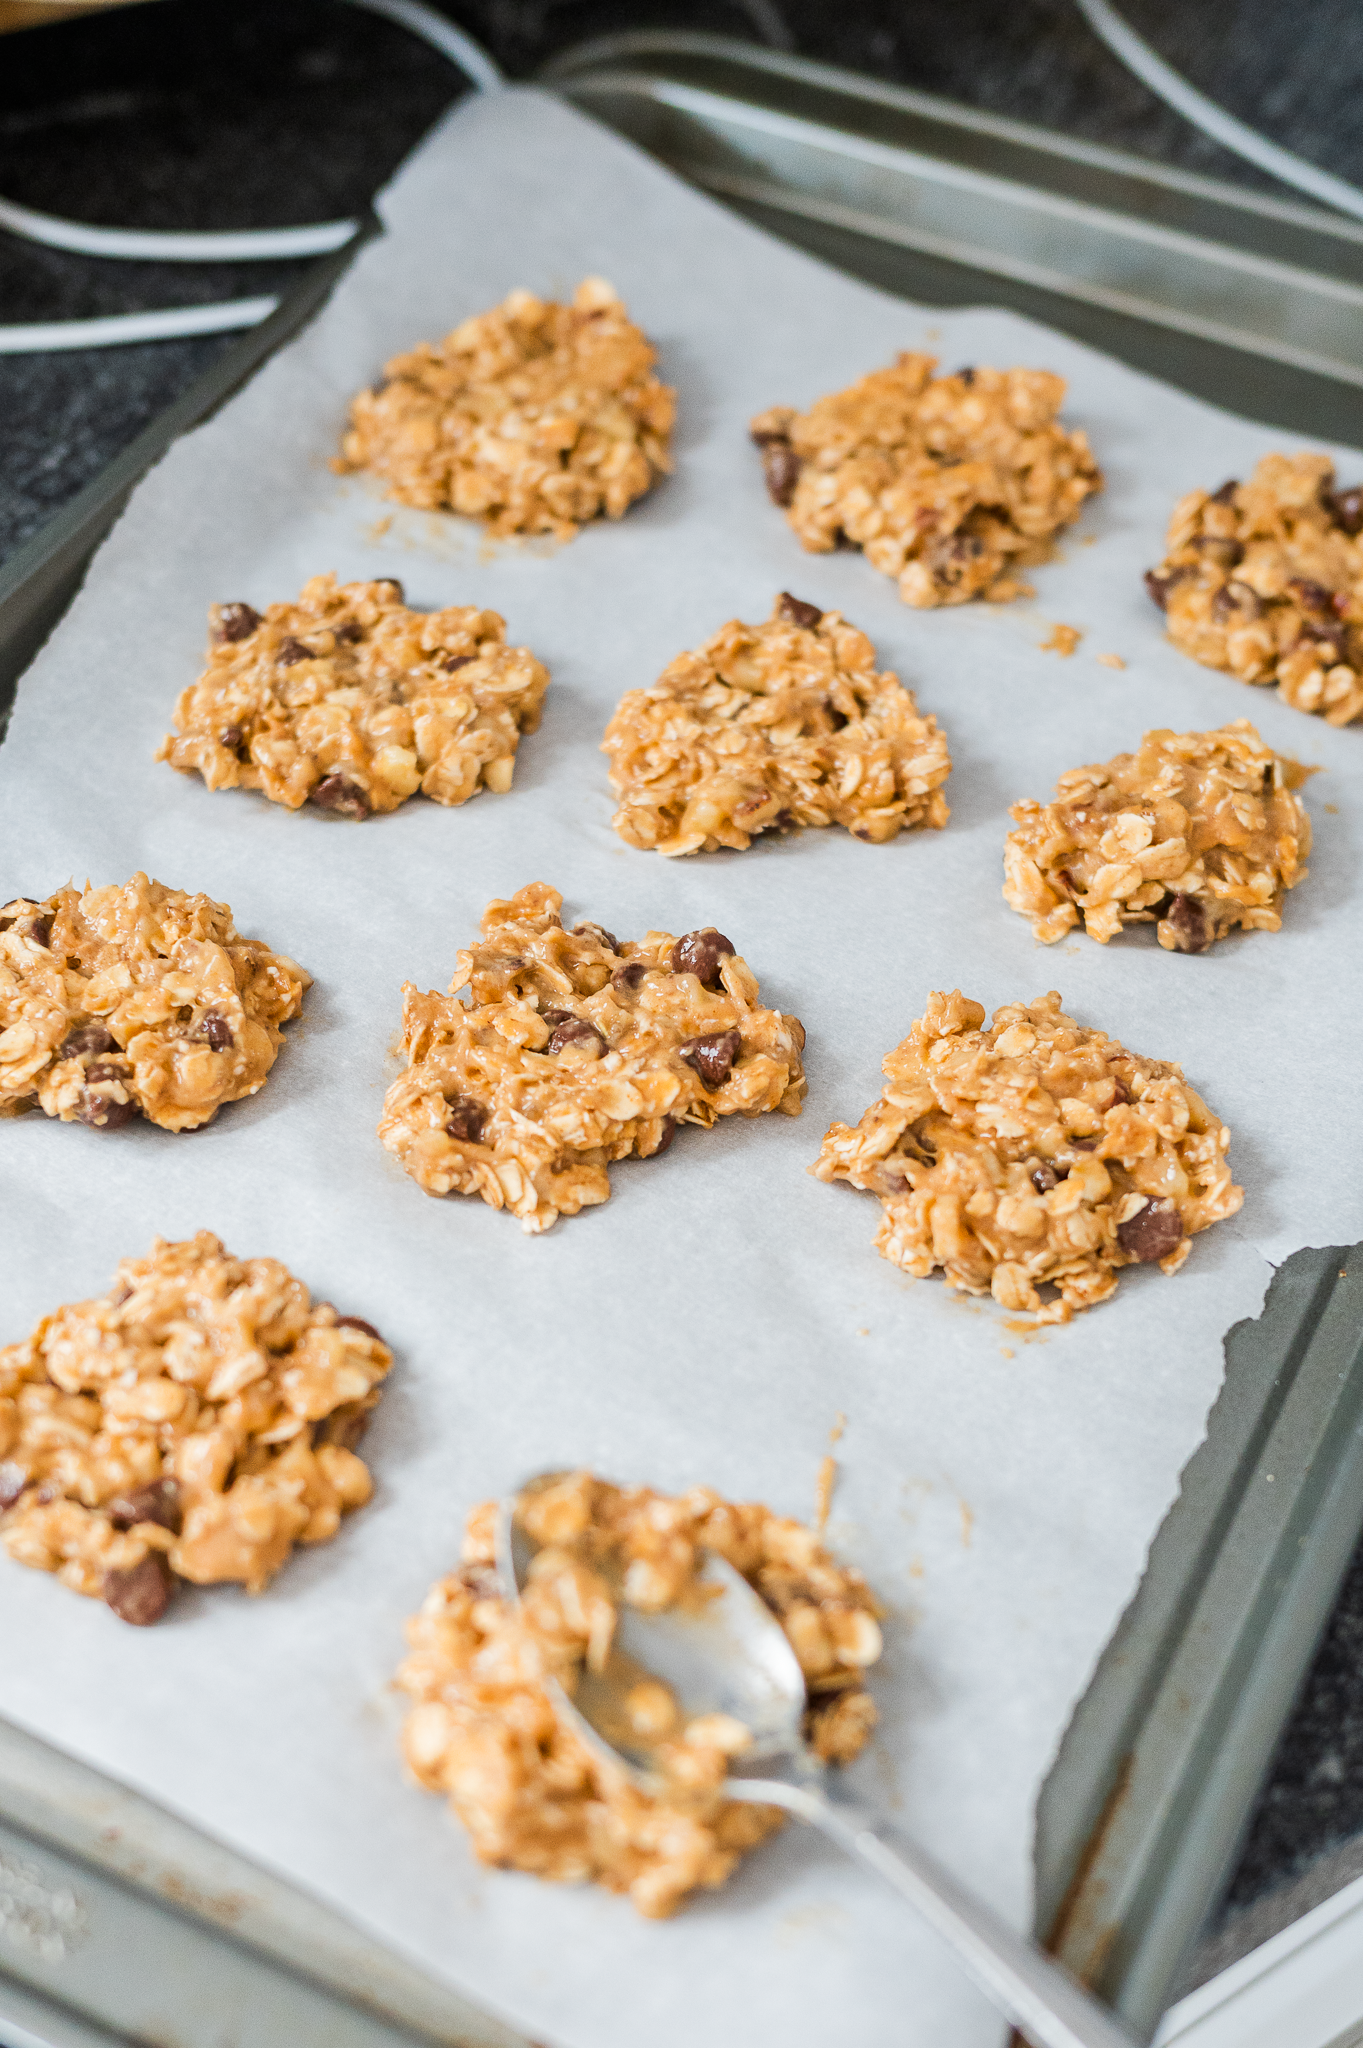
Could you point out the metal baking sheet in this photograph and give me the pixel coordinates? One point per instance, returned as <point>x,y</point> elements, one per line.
<point>1193,1622</point>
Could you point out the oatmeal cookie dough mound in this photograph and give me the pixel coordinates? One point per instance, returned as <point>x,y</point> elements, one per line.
<point>1265,579</point>
<point>193,1423</point>
<point>574,1050</point>
<point>349,700</point>
<point>136,998</point>
<point>485,1731</point>
<point>533,417</point>
<point>1036,1153</point>
<point>948,484</point>
<point>1197,833</point>
<point>778,725</point>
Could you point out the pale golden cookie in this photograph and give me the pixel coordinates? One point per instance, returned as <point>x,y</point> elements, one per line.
<point>1265,579</point>
<point>194,1423</point>
<point>1196,833</point>
<point>949,485</point>
<point>1036,1153</point>
<point>575,1050</point>
<point>136,998</point>
<point>769,727</point>
<point>533,417</point>
<point>485,1732</point>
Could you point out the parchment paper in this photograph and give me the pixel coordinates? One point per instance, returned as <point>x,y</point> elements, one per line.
<point>714,1318</point>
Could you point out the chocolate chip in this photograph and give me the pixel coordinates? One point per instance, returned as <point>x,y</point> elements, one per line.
<point>700,953</point>
<point>630,975</point>
<point>90,1038</point>
<point>573,1030</point>
<point>1236,599</point>
<point>337,793</point>
<point>290,651</point>
<point>214,1027</point>
<point>1312,597</point>
<point>713,1056</point>
<point>233,737</point>
<point>454,661</point>
<point>797,611</point>
<point>1043,1177</point>
<point>141,1595</point>
<point>467,1119</point>
<point>344,1426</point>
<point>1152,1232</point>
<point>1160,586</point>
<point>967,375</point>
<point>669,1132</point>
<point>1190,924</point>
<point>13,1480</point>
<point>101,1112</point>
<point>391,583</point>
<point>1226,494</point>
<point>349,634</point>
<point>480,1581</point>
<point>607,940</point>
<point>158,1502</point>
<point>1346,509</point>
<point>1227,554</point>
<point>40,931</point>
<point>1120,1092</point>
<point>358,1323</point>
<point>781,469</point>
<point>236,622</point>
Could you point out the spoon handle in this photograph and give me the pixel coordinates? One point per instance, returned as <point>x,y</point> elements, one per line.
<point>1041,1999</point>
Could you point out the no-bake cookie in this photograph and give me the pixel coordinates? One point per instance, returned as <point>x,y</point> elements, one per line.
<point>772,726</point>
<point>534,417</point>
<point>351,701</point>
<point>948,484</point>
<point>1034,1154</point>
<point>1196,833</point>
<point>194,1423</point>
<point>485,1731</point>
<point>136,998</point>
<point>574,1050</point>
<point>1265,579</point>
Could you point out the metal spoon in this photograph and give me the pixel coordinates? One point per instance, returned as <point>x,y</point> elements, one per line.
<point>732,1657</point>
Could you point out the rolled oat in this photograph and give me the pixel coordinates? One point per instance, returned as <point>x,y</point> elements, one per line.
<point>533,417</point>
<point>1036,1153</point>
<point>352,701</point>
<point>575,1050</point>
<point>485,1730</point>
<point>1196,833</point>
<point>769,727</point>
<point>136,998</point>
<point>1265,579</point>
<point>194,1423</point>
<point>948,484</point>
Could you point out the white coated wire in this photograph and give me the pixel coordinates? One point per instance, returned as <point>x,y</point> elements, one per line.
<point>1171,86</point>
<point>246,246</point>
<point>42,335</point>
<point>153,245</point>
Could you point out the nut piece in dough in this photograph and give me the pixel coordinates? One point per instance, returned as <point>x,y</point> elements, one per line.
<point>1197,833</point>
<point>948,484</point>
<point>574,1050</point>
<point>484,1730</point>
<point>533,417</point>
<point>1036,1153</point>
<point>772,726</point>
<point>349,699</point>
<point>194,1423</point>
<point>1265,579</point>
<point>136,998</point>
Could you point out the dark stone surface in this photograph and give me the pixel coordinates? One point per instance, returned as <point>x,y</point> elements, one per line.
<point>236,113</point>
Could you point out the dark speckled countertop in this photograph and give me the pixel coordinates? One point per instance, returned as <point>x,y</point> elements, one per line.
<point>239,113</point>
